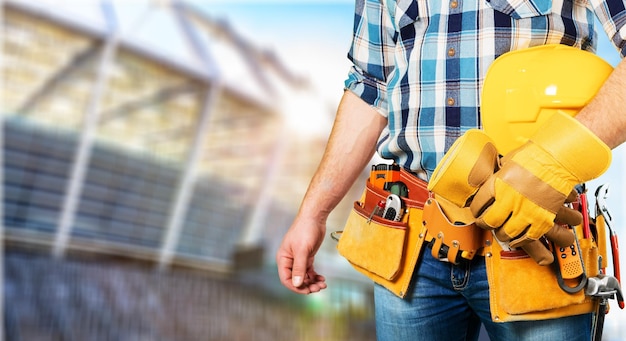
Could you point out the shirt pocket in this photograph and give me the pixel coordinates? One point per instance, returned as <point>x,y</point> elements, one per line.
<point>520,9</point>
<point>405,12</point>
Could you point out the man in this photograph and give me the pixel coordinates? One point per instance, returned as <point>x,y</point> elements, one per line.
<point>413,90</point>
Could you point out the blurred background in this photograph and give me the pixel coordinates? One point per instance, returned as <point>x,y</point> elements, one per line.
<point>155,152</point>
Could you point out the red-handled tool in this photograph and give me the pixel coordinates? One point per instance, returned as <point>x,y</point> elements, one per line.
<point>601,194</point>
<point>615,254</point>
<point>584,209</point>
<point>378,210</point>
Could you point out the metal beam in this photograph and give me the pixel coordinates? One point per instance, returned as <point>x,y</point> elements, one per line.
<point>255,224</point>
<point>89,29</point>
<point>83,152</point>
<point>160,96</point>
<point>184,190</point>
<point>72,67</point>
<point>246,50</point>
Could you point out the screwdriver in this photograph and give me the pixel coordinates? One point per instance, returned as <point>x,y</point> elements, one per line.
<point>378,210</point>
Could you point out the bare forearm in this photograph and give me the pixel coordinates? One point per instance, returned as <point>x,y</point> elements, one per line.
<point>351,145</point>
<point>605,115</point>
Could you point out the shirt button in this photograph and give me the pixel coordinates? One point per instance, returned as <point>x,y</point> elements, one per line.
<point>450,101</point>
<point>451,52</point>
<point>454,4</point>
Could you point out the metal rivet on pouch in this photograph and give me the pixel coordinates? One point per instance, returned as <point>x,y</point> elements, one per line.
<point>488,254</point>
<point>421,235</point>
<point>488,242</point>
<point>455,244</point>
<point>440,235</point>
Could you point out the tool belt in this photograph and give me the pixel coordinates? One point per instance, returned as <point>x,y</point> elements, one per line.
<point>452,241</point>
<point>386,249</point>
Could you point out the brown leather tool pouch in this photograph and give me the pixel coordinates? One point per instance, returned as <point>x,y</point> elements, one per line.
<point>452,231</point>
<point>383,250</point>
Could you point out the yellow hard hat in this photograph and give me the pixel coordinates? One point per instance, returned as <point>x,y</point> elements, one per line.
<point>523,88</point>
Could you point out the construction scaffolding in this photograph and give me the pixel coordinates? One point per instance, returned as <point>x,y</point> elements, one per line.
<point>116,147</point>
<point>153,181</point>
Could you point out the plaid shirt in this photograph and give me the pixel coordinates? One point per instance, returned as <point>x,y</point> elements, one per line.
<point>421,63</point>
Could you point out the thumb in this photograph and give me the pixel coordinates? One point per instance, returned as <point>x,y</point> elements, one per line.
<point>299,270</point>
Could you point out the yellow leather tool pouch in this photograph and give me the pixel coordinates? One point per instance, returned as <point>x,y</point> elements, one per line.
<point>385,251</point>
<point>522,290</point>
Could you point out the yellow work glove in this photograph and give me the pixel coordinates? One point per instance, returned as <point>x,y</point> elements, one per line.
<point>469,163</point>
<point>522,199</point>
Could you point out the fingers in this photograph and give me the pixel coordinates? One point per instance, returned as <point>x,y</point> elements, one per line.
<point>561,235</point>
<point>572,197</point>
<point>516,227</point>
<point>501,235</point>
<point>538,252</point>
<point>309,282</point>
<point>484,198</point>
<point>520,236</point>
<point>296,272</point>
<point>313,281</point>
<point>492,214</point>
<point>568,216</point>
<point>536,249</point>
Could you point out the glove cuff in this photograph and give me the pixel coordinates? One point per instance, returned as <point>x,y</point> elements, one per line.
<point>465,167</point>
<point>574,146</point>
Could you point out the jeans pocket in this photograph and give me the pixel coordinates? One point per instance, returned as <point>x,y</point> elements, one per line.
<point>520,9</point>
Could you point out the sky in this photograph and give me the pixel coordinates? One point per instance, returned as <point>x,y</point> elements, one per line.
<point>312,37</point>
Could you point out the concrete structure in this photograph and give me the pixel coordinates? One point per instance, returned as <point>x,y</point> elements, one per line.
<point>117,146</point>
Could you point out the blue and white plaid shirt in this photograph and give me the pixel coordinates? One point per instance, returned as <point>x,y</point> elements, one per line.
<point>422,63</point>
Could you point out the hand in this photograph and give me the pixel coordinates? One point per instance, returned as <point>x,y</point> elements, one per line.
<point>295,256</point>
<point>537,250</point>
<point>559,234</point>
<point>522,199</point>
<point>465,176</point>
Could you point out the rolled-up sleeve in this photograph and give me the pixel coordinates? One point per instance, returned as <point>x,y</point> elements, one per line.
<point>371,53</point>
<point>612,16</point>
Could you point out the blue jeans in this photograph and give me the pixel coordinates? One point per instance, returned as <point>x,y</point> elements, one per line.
<point>449,302</point>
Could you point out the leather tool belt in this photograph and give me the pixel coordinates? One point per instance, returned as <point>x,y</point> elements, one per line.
<point>387,251</point>
<point>452,241</point>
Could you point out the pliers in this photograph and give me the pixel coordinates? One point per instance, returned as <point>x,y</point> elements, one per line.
<point>601,194</point>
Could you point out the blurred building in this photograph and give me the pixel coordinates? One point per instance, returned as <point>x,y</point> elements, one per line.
<point>179,153</point>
